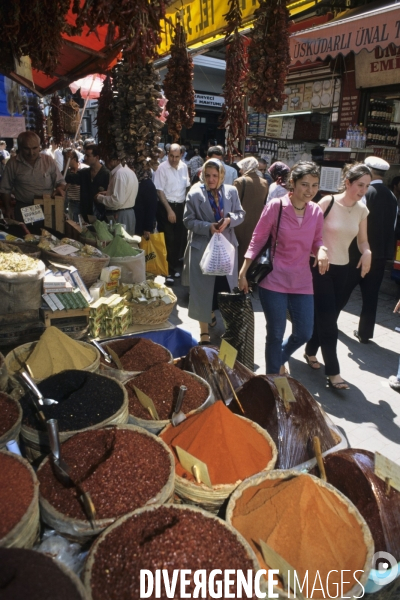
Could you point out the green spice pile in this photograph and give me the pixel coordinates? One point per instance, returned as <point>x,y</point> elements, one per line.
<point>119,247</point>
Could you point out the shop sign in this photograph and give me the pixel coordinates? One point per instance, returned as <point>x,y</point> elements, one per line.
<point>206,100</point>
<point>380,67</point>
<point>33,213</point>
<point>365,32</point>
<point>11,127</point>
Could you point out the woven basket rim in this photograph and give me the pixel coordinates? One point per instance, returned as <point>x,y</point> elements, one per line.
<point>16,426</point>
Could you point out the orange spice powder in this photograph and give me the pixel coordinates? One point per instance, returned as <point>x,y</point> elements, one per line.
<point>308,525</point>
<point>230,446</point>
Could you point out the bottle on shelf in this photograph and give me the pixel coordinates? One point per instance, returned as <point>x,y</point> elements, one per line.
<point>356,136</point>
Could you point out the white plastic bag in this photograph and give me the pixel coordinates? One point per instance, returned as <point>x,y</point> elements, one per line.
<point>218,257</point>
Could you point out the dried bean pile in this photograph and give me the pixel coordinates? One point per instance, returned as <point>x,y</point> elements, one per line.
<point>138,354</point>
<point>30,575</point>
<point>161,383</point>
<point>84,399</point>
<point>160,539</point>
<point>8,412</point>
<point>121,469</point>
<point>16,493</point>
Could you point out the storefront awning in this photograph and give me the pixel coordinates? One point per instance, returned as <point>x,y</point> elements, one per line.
<point>365,31</point>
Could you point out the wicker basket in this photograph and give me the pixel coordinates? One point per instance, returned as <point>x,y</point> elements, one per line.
<point>155,313</point>
<point>89,267</point>
<point>13,432</point>
<point>30,249</point>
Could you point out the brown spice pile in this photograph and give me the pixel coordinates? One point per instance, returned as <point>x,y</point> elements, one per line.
<point>161,383</point>
<point>137,354</point>
<point>165,538</point>
<point>308,525</point>
<point>16,492</point>
<point>8,412</point>
<point>121,469</point>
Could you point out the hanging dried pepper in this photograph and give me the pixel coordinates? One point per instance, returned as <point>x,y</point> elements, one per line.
<point>104,118</point>
<point>33,28</point>
<point>40,122</point>
<point>234,117</point>
<point>178,86</point>
<point>269,56</point>
<point>55,111</point>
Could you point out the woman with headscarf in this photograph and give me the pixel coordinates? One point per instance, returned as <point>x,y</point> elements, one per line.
<point>279,172</point>
<point>208,203</point>
<point>253,191</point>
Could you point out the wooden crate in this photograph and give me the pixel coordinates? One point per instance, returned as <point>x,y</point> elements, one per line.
<point>54,212</point>
<point>50,316</point>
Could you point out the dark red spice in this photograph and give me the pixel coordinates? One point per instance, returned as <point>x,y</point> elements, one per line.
<point>8,412</point>
<point>27,574</point>
<point>121,469</point>
<point>16,492</point>
<point>161,383</point>
<point>165,538</point>
<point>137,354</point>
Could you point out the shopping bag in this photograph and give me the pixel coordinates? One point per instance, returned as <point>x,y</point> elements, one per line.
<point>218,257</point>
<point>238,317</point>
<point>155,254</point>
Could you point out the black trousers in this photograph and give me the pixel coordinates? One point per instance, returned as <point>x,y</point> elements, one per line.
<point>370,286</point>
<point>175,234</point>
<point>328,300</point>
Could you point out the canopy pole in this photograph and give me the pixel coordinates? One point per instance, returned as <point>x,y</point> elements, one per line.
<point>80,120</point>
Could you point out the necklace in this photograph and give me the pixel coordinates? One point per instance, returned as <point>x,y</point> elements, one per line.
<point>349,208</point>
<point>297,208</point>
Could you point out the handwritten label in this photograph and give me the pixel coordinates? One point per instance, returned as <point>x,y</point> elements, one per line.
<point>276,561</point>
<point>147,403</point>
<point>31,214</point>
<point>227,354</point>
<point>195,466</point>
<point>387,470</point>
<point>64,249</point>
<point>284,390</point>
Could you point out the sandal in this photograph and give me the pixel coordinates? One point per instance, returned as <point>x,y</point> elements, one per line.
<point>285,372</point>
<point>338,385</point>
<point>213,321</point>
<point>311,363</point>
<point>205,342</point>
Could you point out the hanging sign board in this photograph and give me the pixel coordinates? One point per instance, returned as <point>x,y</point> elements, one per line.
<point>11,127</point>
<point>380,67</point>
<point>207,100</point>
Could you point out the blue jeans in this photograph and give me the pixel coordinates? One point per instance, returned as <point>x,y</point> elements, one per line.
<point>301,309</point>
<point>398,371</point>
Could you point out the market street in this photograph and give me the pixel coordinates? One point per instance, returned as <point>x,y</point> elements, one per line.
<point>369,413</point>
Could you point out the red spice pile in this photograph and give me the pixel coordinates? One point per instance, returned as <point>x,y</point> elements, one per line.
<point>16,492</point>
<point>161,383</point>
<point>121,469</point>
<point>137,354</point>
<point>230,446</point>
<point>8,412</point>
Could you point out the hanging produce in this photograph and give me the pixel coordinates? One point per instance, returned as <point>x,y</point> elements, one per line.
<point>269,56</point>
<point>234,117</point>
<point>33,28</point>
<point>40,122</point>
<point>57,130</point>
<point>178,85</point>
<point>134,124</point>
<point>104,118</point>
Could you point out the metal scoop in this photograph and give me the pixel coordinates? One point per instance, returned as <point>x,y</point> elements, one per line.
<point>63,472</point>
<point>106,356</point>
<point>179,416</point>
<point>109,358</point>
<point>35,390</point>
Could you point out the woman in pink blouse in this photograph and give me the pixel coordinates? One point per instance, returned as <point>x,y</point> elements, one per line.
<point>289,285</point>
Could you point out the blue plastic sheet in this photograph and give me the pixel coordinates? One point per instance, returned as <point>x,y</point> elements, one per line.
<point>178,341</point>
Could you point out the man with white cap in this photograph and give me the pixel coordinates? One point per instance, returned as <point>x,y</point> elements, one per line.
<point>381,221</point>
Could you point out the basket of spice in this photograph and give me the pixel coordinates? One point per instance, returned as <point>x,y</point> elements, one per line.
<point>85,401</point>
<point>53,353</point>
<point>321,534</point>
<point>233,448</point>
<point>32,575</point>
<point>122,467</point>
<point>150,303</point>
<point>19,503</point>
<point>188,537</point>
<point>11,417</point>
<point>164,397</point>
<point>136,355</point>
<point>21,248</point>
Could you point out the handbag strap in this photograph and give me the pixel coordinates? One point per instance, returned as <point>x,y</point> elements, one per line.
<point>328,210</point>
<point>277,227</point>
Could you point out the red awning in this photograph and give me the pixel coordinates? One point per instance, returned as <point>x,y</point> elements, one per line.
<point>365,31</point>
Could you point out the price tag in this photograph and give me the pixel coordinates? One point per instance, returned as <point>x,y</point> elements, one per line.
<point>31,214</point>
<point>387,470</point>
<point>227,354</point>
<point>284,390</point>
<point>147,403</point>
<point>65,249</point>
<point>195,466</point>
<point>275,561</point>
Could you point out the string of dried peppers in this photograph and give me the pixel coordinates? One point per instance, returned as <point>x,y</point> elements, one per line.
<point>56,123</point>
<point>104,118</point>
<point>269,56</point>
<point>234,116</point>
<point>40,122</point>
<point>178,85</point>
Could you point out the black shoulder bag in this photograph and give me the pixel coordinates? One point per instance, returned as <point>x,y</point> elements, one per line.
<point>263,263</point>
